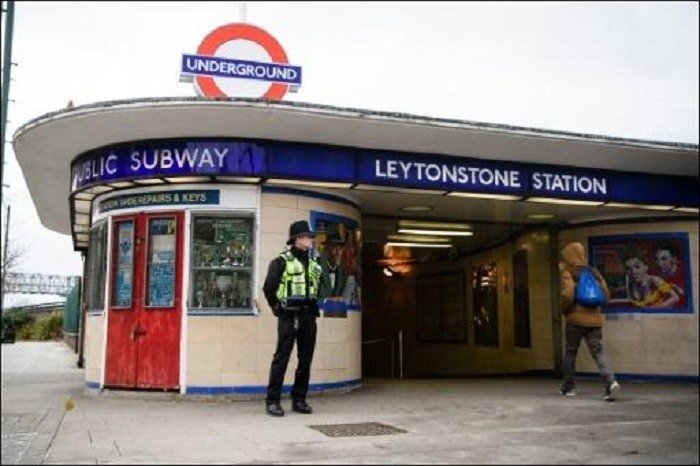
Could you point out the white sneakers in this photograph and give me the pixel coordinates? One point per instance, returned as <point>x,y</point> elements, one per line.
<point>611,391</point>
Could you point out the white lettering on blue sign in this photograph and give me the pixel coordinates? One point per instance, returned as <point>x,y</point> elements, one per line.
<point>573,184</point>
<point>434,172</point>
<point>94,169</point>
<point>202,65</point>
<point>169,158</point>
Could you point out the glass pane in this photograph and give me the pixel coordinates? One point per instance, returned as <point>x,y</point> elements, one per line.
<point>97,263</point>
<point>221,289</point>
<point>222,260</point>
<point>122,285</point>
<point>161,262</point>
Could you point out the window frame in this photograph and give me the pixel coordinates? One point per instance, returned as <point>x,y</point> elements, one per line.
<point>195,265</point>
<point>97,258</point>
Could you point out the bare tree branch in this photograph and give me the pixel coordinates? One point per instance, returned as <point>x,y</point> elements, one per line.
<point>10,263</point>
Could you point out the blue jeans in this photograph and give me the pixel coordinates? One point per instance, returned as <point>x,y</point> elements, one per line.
<point>593,337</point>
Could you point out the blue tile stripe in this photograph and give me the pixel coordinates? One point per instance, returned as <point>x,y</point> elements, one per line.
<point>357,383</point>
<point>622,377</point>
<point>261,390</point>
<point>646,377</point>
<point>92,385</point>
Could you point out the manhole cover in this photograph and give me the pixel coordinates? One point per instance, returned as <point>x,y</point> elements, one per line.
<point>357,430</point>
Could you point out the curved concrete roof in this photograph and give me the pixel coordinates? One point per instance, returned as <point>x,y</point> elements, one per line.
<point>46,146</point>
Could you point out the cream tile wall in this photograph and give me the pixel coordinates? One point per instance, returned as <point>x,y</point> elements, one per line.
<point>236,351</point>
<point>649,344</point>
<point>93,349</point>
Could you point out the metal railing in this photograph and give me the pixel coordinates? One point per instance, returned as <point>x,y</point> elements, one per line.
<point>39,283</point>
<point>39,307</point>
<point>394,340</point>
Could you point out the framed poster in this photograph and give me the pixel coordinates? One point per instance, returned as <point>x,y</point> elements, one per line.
<point>337,248</point>
<point>645,272</point>
<point>485,298</point>
<point>521,300</point>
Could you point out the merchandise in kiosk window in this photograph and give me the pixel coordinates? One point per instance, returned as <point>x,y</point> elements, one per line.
<point>222,263</point>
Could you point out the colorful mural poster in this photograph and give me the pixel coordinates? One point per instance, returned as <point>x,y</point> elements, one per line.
<point>337,248</point>
<point>645,272</point>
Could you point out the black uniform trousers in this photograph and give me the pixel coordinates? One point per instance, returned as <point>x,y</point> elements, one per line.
<point>305,337</point>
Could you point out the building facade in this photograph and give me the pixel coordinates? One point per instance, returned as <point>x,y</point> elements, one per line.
<point>180,204</point>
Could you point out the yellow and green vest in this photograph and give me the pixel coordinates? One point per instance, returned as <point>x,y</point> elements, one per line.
<point>293,287</point>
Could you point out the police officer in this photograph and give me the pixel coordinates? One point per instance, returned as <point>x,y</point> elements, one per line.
<point>291,289</point>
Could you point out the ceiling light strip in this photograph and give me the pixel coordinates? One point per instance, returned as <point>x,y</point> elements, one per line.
<point>238,179</point>
<point>416,208</point>
<point>317,184</point>
<point>417,239</point>
<point>547,200</point>
<point>434,225</point>
<point>639,206</point>
<point>417,245</point>
<point>391,189</point>
<point>691,210</point>
<point>149,181</point>
<point>497,197</point>
<point>416,231</point>
<point>188,179</point>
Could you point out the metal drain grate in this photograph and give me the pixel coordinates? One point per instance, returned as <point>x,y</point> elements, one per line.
<point>357,430</point>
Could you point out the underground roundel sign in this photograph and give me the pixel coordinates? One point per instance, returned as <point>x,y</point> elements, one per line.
<point>241,60</point>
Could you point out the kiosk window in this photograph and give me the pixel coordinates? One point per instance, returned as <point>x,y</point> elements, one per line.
<point>222,259</point>
<point>96,267</point>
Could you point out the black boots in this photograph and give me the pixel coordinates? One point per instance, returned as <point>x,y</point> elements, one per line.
<point>301,407</point>
<point>274,409</point>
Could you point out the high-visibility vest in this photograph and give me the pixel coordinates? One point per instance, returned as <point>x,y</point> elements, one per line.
<point>294,287</point>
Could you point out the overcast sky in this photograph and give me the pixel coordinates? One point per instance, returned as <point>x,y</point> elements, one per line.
<point>622,69</point>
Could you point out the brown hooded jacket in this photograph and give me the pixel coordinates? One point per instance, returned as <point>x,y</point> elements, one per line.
<point>574,260</point>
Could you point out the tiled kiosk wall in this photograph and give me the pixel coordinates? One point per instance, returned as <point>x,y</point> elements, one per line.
<point>232,354</point>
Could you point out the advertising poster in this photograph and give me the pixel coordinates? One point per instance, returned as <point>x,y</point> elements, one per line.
<point>645,272</point>
<point>337,248</point>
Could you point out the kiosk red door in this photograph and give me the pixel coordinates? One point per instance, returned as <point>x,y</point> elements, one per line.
<point>145,309</point>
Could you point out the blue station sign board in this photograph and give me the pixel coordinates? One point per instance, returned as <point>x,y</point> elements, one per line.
<point>314,162</point>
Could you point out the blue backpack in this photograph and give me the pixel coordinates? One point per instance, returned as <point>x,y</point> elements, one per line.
<point>588,291</point>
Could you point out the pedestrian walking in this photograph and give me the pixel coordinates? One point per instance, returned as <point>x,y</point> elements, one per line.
<point>582,322</point>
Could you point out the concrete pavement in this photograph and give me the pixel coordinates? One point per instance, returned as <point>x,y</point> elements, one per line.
<point>512,420</point>
<point>37,378</point>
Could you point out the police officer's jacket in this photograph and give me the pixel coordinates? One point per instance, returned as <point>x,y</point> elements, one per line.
<point>275,274</point>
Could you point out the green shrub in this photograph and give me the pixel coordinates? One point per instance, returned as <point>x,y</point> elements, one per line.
<point>25,332</point>
<point>18,318</point>
<point>48,328</point>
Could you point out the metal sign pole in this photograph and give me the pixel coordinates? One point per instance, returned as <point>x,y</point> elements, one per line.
<point>6,65</point>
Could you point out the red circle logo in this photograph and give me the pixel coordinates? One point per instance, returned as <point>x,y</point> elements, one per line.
<point>241,31</point>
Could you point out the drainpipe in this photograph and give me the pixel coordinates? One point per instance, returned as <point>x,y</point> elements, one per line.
<point>83,311</point>
<point>5,263</point>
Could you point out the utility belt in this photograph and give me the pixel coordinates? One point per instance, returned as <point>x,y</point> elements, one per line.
<point>298,308</point>
<point>297,305</point>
